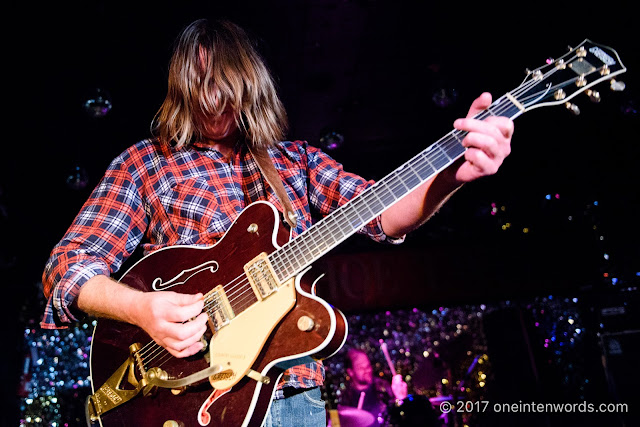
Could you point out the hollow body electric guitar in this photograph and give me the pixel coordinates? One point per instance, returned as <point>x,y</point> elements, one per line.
<point>264,316</point>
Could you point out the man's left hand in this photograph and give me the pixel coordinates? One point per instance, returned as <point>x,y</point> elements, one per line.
<point>488,142</point>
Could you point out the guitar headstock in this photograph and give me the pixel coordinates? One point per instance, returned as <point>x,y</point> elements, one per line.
<point>561,79</point>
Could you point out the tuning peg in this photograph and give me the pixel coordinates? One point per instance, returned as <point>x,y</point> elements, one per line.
<point>593,95</point>
<point>573,108</point>
<point>617,86</point>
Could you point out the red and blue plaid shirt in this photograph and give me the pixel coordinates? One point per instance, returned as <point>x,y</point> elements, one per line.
<point>158,196</point>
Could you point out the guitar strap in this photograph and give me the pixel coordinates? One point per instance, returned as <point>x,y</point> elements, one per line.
<point>265,164</point>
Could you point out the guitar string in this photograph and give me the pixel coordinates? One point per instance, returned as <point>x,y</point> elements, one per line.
<point>277,261</point>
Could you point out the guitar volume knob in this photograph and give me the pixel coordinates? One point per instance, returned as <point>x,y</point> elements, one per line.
<point>305,323</point>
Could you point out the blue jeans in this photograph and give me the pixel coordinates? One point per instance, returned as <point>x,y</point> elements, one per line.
<point>304,409</point>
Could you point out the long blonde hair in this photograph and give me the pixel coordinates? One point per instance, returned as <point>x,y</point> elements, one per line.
<point>215,64</point>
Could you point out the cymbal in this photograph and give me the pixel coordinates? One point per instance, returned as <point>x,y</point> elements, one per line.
<point>440,399</point>
<point>430,372</point>
<point>354,417</point>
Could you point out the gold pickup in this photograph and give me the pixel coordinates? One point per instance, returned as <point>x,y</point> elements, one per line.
<point>261,276</point>
<point>218,308</point>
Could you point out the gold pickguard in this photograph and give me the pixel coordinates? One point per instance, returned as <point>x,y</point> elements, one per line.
<point>237,345</point>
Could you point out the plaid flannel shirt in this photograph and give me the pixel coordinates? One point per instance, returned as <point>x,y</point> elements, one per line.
<point>158,196</point>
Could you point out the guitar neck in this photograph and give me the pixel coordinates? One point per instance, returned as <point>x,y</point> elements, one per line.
<point>322,237</point>
<point>552,84</point>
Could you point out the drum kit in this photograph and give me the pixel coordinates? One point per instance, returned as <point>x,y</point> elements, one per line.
<point>414,410</point>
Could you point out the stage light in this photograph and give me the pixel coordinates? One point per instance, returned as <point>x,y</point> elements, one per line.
<point>331,140</point>
<point>444,97</point>
<point>629,108</point>
<point>77,179</point>
<point>98,103</point>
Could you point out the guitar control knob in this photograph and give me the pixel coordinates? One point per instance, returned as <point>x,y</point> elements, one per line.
<point>305,323</point>
<point>575,110</point>
<point>172,423</point>
<point>178,391</point>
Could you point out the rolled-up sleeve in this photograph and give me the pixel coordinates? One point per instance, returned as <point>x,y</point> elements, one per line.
<point>105,232</point>
<point>331,187</point>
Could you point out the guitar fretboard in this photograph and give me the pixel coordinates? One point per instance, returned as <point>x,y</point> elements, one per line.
<point>351,217</point>
<point>299,253</point>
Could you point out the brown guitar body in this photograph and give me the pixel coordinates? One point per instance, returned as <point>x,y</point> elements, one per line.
<point>285,345</point>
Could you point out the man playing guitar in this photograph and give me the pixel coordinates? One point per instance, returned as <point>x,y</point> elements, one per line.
<point>188,184</point>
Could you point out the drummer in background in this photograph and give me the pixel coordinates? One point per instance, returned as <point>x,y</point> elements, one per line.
<point>378,393</point>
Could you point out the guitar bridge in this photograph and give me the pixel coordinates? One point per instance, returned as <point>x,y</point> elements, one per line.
<point>261,276</point>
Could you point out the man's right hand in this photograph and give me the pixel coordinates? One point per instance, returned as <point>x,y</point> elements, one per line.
<point>175,321</point>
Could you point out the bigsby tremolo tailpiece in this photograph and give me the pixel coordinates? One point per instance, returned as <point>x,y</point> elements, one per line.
<point>113,392</point>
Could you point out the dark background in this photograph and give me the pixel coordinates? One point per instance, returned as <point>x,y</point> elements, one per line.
<point>368,70</point>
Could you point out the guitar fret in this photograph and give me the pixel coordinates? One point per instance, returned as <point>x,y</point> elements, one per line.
<point>287,263</point>
<point>286,260</point>
<point>357,208</point>
<point>426,169</point>
<point>277,263</point>
<point>283,269</point>
<point>397,175</point>
<point>327,233</point>
<point>441,162</point>
<point>388,194</point>
<point>399,188</point>
<point>296,251</point>
<point>456,149</point>
<point>341,222</point>
<point>377,205</point>
<point>305,250</point>
<point>314,249</point>
<point>298,254</point>
<point>413,180</point>
<point>424,165</point>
